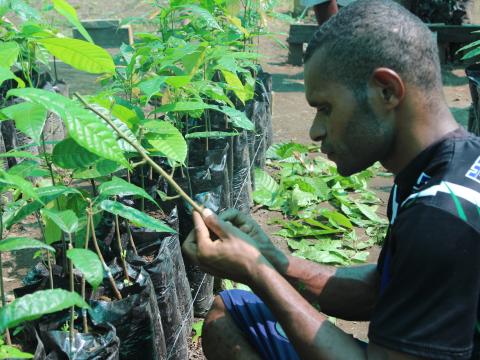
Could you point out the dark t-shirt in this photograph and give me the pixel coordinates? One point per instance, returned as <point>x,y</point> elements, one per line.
<point>430,264</point>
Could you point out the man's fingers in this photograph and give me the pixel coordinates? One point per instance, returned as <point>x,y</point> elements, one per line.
<point>190,248</point>
<point>202,234</point>
<point>236,217</point>
<point>214,223</point>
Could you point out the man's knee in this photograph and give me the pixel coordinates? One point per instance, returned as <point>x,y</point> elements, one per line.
<point>214,325</point>
<point>216,312</point>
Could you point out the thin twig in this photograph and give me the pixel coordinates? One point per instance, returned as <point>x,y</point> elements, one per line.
<point>130,237</point>
<point>44,238</point>
<point>99,253</point>
<point>120,248</point>
<point>84,312</point>
<point>144,155</point>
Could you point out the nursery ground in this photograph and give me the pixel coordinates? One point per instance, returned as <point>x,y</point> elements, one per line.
<point>291,120</point>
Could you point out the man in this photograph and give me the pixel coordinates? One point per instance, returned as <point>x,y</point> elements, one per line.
<point>372,72</point>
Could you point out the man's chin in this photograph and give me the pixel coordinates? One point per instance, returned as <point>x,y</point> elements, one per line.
<point>345,172</point>
<point>348,170</point>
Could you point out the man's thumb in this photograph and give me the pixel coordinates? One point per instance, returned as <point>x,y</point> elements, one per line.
<point>202,234</point>
<point>214,223</point>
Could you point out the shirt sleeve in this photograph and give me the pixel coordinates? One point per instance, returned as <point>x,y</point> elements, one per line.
<point>430,304</point>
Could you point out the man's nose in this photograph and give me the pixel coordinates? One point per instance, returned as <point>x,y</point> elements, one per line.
<point>317,130</point>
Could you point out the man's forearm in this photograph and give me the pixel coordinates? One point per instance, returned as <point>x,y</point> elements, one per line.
<point>311,334</point>
<point>334,289</point>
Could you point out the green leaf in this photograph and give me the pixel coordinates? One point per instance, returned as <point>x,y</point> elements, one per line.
<point>235,85</point>
<point>210,134</point>
<point>237,118</point>
<point>123,113</point>
<point>122,126</point>
<point>6,74</point>
<point>197,12</point>
<point>152,86</point>
<point>11,352</point>
<point>89,265</point>
<point>285,150</point>
<point>67,154</point>
<point>20,243</point>
<point>471,54</point>
<point>24,169</point>
<point>263,181</point>
<point>155,85</point>
<point>99,169</point>
<point>25,11</point>
<point>469,46</point>
<point>137,217</point>
<point>29,118</point>
<point>80,54</point>
<point>337,218</point>
<point>184,106</point>
<point>166,139</point>
<point>68,11</point>
<point>178,81</point>
<point>44,195</point>
<point>197,327</point>
<point>121,187</point>
<point>85,128</point>
<point>52,232</point>
<point>302,198</point>
<point>33,306</point>
<point>19,154</point>
<point>9,51</point>
<point>17,182</point>
<point>370,213</point>
<point>67,220</point>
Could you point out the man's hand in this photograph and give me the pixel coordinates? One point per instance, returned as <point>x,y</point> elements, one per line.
<point>230,254</point>
<point>248,226</point>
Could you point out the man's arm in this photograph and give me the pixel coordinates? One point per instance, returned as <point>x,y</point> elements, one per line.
<point>349,293</point>
<point>312,335</point>
<point>346,292</point>
<point>234,255</point>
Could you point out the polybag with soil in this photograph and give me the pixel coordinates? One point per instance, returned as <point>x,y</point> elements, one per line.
<point>100,343</point>
<point>136,316</point>
<point>149,241</point>
<point>29,341</point>
<point>208,186</point>
<point>159,264</point>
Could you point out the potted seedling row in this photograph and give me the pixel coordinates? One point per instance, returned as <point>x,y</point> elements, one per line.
<point>192,111</point>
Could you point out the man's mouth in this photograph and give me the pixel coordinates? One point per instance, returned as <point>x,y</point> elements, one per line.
<point>325,150</point>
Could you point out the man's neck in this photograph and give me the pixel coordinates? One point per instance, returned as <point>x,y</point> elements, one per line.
<point>418,127</point>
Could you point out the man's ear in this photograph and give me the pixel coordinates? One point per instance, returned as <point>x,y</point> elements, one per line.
<point>388,86</point>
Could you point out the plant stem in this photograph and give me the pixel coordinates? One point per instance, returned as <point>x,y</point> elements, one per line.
<point>55,69</point>
<point>130,237</point>
<point>120,248</point>
<point>99,253</point>
<point>52,177</point>
<point>142,181</point>
<point>84,312</point>
<point>49,261</point>
<point>94,188</point>
<point>72,309</point>
<point>144,155</point>
<point>2,288</point>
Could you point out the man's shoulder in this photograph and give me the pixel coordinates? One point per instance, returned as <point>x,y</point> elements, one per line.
<point>453,182</point>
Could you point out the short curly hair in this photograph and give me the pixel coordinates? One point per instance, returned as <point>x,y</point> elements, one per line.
<point>369,34</point>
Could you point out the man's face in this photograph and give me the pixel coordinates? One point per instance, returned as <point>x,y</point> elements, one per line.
<point>351,132</point>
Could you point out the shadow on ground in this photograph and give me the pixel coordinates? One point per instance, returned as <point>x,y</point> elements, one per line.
<point>461,115</point>
<point>288,83</point>
<point>454,75</point>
